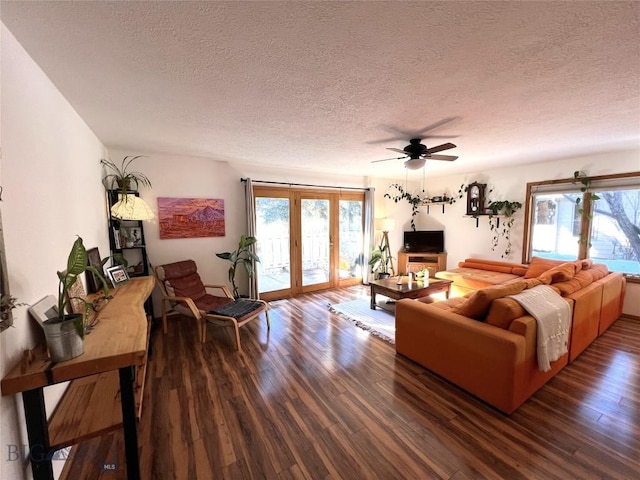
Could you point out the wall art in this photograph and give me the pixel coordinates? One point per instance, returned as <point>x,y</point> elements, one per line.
<point>191,217</point>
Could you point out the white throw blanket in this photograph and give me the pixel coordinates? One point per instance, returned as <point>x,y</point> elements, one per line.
<point>554,320</point>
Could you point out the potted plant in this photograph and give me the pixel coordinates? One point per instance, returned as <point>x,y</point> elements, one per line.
<point>7,304</point>
<point>243,255</point>
<point>65,332</point>
<point>380,261</point>
<point>122,177</point>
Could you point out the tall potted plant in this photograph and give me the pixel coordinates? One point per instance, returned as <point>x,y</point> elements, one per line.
<point>380,261</point>
<point>244,256</point>
<point>65,332</point>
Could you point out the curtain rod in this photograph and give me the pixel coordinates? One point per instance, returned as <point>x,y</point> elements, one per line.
<point>291,184</point>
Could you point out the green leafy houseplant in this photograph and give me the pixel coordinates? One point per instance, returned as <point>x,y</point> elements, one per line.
<point>380,261</point>
<point>414,200</point>
<point>122,177</point>
<point>244,256</point>
<point>506,209</point>
<point>417,200</point>
<point>7,304</point>
<point>77,263</point>
<point>65,332</point>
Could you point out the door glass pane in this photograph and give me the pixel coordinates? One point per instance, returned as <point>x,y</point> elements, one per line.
<point>556,226</point>
<point>272,232</point>
<point>315,241</point>
<point>351,238</point>
<point>614,230</point>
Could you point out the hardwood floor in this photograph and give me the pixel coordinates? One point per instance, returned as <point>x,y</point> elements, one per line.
<point>317,397</point>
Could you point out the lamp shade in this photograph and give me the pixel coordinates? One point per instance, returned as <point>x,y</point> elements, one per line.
<point>385,224</point>
<point>415,163</point>
<point>131,208</point>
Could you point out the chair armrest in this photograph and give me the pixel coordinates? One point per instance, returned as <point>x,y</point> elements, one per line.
<point>187,301</point>
<point>224,289</point>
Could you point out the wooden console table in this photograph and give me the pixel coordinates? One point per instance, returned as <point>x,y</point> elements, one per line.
<point>415,261</point>
<point>89,406</point>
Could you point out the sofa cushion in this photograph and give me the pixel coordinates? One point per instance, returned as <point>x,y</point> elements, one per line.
<point>597,271</point>
<point>531,282</point>
<point>580,280</point>
<point>475,278</point>
<point>540,265</point>
<point>559,273</point>
<point>503,311</point>
<point>449,304</point>
<point>494,265</point>
<point>478,303</point>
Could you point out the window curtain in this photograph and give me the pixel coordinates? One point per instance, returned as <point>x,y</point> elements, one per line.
<point>251,232</point>
<point>369,232</point>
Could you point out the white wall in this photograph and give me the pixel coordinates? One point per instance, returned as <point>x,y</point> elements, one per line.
<point>50,176</point>
<point>174,176</point>
<point>464,240</point>
<point>198,177</point>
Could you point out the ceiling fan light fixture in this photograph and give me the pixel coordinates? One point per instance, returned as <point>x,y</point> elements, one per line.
<point>415,163</point>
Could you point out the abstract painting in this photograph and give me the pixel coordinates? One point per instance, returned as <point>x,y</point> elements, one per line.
<point>190,217</point>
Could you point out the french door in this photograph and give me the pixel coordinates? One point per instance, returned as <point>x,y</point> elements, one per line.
<point>308,240</point>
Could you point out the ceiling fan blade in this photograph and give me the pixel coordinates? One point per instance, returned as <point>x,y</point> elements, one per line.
<point>387,159</point>
<point>450,158</point>
<point>433,126</point>
<point>403,134</point>
<point>397,150</point>
<point>439,148</point>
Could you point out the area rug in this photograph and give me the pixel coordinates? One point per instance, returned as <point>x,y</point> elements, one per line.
<point>380,322</point>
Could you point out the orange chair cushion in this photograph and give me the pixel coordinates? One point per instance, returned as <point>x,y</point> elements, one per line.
<point>478,302</point>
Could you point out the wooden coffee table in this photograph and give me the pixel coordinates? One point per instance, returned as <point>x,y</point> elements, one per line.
<point>414,289</point>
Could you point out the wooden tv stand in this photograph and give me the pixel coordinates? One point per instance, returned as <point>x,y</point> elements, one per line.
<point>115,353</point>
<point>416,261</point>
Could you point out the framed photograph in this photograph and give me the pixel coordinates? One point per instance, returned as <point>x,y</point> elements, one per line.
<point>116,238</point>
<point>44,309</point>
<point>117,275</point>
<point>132,236</point>
<point>94,260</point>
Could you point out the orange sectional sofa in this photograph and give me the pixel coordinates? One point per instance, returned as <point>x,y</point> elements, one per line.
<point>486,343</point>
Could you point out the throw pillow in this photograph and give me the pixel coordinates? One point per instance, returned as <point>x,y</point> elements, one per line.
<point>559,273</point>
<point>479,301</point>
<point>540,265</point>
<point>503,311</point>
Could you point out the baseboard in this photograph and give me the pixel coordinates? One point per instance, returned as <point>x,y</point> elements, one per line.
<point>630,317</point>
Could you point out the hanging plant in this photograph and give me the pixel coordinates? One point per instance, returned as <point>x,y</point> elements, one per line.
<point>585,188</point>
<point>414,200</point>
<point>507,209</point>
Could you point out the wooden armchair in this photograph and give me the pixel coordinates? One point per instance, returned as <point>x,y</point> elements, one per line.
<point>183,291</point>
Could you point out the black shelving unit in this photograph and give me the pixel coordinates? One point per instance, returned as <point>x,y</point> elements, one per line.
<point>126,237</point>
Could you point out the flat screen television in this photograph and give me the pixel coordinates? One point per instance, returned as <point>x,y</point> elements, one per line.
<point>428,241</point>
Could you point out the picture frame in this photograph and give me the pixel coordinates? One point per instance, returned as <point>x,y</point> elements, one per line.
<point>133,236</point>
<point>93,259</point>
<point>117,275</point>
<point>44,309</point>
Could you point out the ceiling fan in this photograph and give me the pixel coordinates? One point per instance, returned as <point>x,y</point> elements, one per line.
<point>417,154</point>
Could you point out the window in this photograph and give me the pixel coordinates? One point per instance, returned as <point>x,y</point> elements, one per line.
<point>567,221</point>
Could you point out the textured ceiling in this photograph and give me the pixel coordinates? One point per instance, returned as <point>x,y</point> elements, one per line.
<point>328,85</point>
